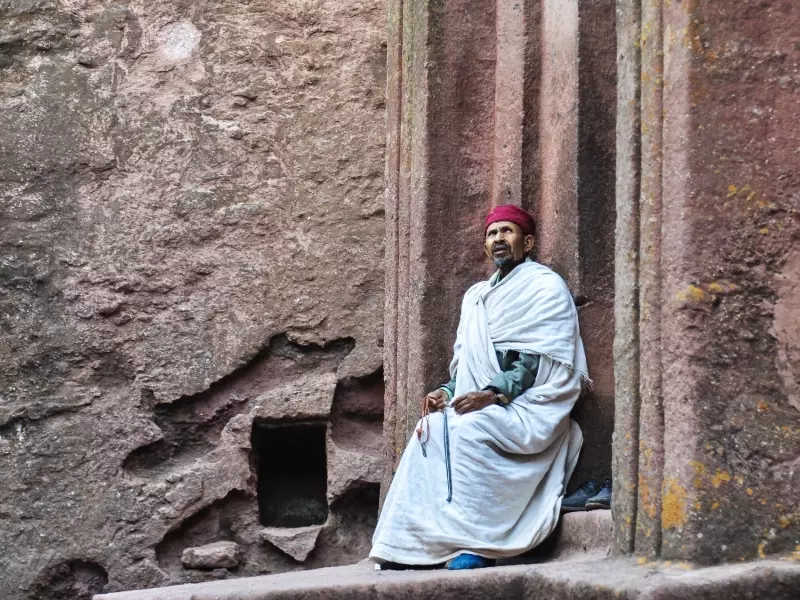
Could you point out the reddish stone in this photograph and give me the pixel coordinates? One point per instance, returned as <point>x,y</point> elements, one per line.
<point>563,580</point>
<point>473,127</point>
<point>191,216</point>
<point>718,425</point>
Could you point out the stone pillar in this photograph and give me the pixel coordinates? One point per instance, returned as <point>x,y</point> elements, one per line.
<point>463,109</point>
<point>576,208</point>
<point>711,433</point>
<point>485,107</point>
<point>557,244</point>
<point>441,149</point>
<point>626,277</point>
<point>594,289</point>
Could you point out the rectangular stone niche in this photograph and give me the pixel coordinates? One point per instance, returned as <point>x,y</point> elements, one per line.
<point>292,474</point>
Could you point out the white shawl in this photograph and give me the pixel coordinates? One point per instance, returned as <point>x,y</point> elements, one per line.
<point>529,310</point>
<point>509,464</point>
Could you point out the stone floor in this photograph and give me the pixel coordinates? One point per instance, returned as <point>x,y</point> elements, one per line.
<point>576,566</point>
<point>602,579</point>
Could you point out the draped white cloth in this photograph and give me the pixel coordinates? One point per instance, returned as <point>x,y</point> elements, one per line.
<point>509,465</point>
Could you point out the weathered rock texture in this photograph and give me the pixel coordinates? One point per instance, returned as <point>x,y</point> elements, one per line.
<point>217,555</point>
<point>192,239</point>
<point>492,104</point>
<point>707,446</point>
<point>558,580</point>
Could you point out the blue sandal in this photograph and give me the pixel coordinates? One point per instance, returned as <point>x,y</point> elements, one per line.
<point>470,561</point>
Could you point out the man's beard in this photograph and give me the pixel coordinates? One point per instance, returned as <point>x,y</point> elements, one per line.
<point>506,262</point>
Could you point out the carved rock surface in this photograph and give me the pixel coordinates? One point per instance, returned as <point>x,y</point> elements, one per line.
<point>191,215</point>
<point>348,470</point>
<point>306,398</point>
<point>297,542</point>
<point>219,555</point>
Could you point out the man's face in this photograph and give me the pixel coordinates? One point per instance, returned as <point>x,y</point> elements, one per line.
<point>505,243</point>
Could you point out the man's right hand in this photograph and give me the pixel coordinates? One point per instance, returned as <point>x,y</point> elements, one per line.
<point>436,400</point>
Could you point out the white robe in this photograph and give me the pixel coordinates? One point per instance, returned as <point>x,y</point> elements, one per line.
<point>509,465</point>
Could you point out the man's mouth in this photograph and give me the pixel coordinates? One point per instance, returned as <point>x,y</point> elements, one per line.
<point>500,249</point>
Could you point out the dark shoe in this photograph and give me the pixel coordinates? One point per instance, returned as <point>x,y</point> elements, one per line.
<point>470,561</point>
<point>577,500</point>
<point>393,566</point>
<point>602,499</point>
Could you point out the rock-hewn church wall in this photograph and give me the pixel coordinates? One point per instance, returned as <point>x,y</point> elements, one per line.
<point>708,316</point>
<point>497,103</point>
<point>191,221</point>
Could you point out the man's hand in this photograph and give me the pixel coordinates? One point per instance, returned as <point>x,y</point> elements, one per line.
<point>436,400</point>
<point>473,401</point>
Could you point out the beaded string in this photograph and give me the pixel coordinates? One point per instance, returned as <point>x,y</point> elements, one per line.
<point>424,429</point>
<point>447,459</point>
<point>424,426</point>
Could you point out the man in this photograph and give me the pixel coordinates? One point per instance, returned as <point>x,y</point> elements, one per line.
<point>484,475</point>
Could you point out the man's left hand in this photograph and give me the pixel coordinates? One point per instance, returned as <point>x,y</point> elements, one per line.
<point>473,401</point>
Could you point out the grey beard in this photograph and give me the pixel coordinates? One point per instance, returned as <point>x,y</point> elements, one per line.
<point>505,263</point>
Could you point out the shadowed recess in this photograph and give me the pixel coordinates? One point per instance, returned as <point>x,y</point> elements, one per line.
<point>292,473</point>
<point>70,580</point>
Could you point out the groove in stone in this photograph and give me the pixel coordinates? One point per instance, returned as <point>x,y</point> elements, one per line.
<point>192,425</point>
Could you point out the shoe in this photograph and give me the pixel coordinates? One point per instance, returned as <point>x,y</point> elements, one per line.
<point>602,499</point>
<point>470,561</point>
<point>577,500</point>
<point>394,566</point>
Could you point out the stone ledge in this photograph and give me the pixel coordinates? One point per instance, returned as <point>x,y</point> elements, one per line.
<point>583,534</point>
<point>604,579</point>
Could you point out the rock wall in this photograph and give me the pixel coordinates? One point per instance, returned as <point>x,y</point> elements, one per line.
<point>192,240</point>
<point>708,316</point>
<point>497,103</point>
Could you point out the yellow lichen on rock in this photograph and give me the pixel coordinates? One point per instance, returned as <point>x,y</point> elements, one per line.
<point>673,512</point>
<point>720,477</point>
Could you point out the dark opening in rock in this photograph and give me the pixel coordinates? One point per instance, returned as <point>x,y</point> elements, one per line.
<point>70,580</point>
<point>292,473</point>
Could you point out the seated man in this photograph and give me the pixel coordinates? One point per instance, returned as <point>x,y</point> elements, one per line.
<point>486,471</point>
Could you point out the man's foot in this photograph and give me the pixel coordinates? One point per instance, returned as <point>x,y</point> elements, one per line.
<point>602,499</point>
<point>469,561</point>
<point>577,500</point>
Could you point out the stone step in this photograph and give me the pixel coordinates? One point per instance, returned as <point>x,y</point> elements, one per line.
<point>599,579</point>
<point>579,535</point>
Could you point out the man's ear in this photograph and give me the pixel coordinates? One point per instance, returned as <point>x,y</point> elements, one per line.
<point>528,244</point>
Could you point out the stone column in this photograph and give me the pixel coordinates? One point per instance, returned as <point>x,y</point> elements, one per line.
<point>626,278</point>
<point>713,341</point>
<point>594,289</point>
<point>463,107</point>
<point>485,107</point>
<point>576,207</point>
<point>441,148</point>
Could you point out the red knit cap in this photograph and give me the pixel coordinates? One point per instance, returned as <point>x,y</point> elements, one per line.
<point>513,214</point>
